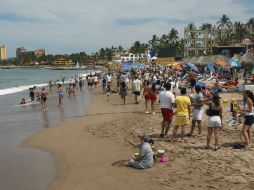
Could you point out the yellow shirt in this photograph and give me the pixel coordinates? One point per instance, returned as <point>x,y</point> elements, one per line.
<point>182,104</point>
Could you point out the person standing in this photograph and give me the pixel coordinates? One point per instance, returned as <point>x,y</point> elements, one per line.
<point>43,98</point>
<point>183,113</point>
<point>167,100</point>
<point>198,111</point>
<point>214,121</point>
<point>60,95</point>
<point>95,79</point>
<point>50,85</point>
<point>123,91</point>
<point>136,88</point>
<point>248,98</point>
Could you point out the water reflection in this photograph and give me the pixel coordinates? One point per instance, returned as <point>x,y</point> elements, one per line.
<point>45,119</point>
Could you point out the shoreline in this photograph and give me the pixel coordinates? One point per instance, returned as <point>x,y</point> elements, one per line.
<point>90,151</point>
<point>89,126</point>
<point>81,68</point>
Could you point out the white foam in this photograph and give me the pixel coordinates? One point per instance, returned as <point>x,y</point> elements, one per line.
<point>17,89</point>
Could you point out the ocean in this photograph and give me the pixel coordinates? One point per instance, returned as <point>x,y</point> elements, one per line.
<point>23,168</point>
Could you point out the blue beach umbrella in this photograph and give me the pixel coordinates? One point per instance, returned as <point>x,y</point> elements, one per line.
<point>234,63</point>
<point>211,67</point>
<point>193,67</point>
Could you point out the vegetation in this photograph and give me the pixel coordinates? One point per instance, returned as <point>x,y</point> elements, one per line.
<point>225,33</point>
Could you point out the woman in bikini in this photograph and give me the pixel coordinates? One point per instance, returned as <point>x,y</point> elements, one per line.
<point>60,95</point>
<point>43,98</point>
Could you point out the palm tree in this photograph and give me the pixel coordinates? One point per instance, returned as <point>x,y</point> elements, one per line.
<point>224,30</point>
<point>206,26</point>
<point>164,41</point>
<point>119,48</point>
<point>153,42</point>
<point>173,36</point>
<point>250,28</point>
<point>240,32</point>
<point>224,22</point>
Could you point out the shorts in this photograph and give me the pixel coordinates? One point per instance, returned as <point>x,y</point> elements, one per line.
<point>249,120</point>
<point>214,121</point>
<point>167,114</point>
<point>147,97</point>
<point>153,97</point>
<point>136,93</point>
<point>61,95</point>
<point>181,120</point>
<point>197,114</point>
<point>44,99</point>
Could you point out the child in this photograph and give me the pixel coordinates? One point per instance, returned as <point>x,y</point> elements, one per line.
<point>108,90</point>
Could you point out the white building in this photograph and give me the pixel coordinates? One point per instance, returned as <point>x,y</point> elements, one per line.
<point>126,56</point>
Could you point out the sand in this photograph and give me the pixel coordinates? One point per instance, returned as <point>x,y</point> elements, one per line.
<point>90,152</point>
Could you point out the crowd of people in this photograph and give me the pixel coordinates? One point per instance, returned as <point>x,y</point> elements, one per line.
<point>182,99</point>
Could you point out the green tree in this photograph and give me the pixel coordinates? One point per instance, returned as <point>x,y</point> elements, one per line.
<point>153,43</point>
<point>240,32</point>
<point>173,37</point>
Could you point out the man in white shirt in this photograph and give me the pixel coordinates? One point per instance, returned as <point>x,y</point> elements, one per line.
<point>167,100</point>
<point>136,88</point>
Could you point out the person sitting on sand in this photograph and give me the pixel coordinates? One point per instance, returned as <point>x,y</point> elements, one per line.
<point>145,159</point>
<point>217,88</point>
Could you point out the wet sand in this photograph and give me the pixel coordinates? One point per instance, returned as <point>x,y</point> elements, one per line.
<point>90,152</point>
<point>20,167</point>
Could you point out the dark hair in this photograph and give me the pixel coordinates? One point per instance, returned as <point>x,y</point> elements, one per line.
<point>183,91</point>
<point>216,99</point>
<point>250,95</point>
<point>59,85</point>
<point>123,84</point>
<point>153,87</point>
<point>203,87</point>
<point>197,88</point>
<point>151,141</point>
<point>168,86</point>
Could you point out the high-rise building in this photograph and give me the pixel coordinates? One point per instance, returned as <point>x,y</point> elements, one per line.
<point>39,52</point>
<point>3,56</point>
<point>20,51</point>
<point>23,51</point>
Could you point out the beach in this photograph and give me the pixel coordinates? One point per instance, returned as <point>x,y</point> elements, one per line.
<point>91,151</point>
<point>30,168</point>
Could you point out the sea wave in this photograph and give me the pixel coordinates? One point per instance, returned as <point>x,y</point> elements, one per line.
<point>13,90</point>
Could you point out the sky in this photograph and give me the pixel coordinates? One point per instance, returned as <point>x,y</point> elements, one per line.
<point>69,26</point>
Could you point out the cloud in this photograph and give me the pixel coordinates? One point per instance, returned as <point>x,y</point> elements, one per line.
<point>63,26</point>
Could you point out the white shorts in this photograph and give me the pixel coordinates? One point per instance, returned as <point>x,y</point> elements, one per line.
<point>214,121</point>
<point>197,114</point>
